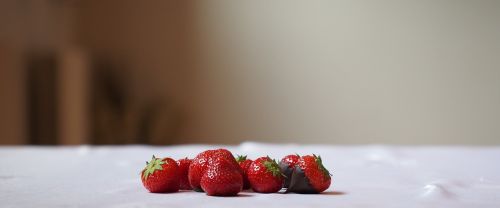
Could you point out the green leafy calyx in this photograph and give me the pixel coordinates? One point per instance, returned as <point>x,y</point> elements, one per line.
<point>152,166</point>
<point>241,158</point>
<point>319,162</point>
<point>273,167</point>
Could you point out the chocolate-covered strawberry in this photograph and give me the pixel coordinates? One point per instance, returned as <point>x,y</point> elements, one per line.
<point>265,176</point>
<point>161,175</point>
<point>183,171</point>
<point>244,164</point>
<point>287,164</point>
<point>309,176</point>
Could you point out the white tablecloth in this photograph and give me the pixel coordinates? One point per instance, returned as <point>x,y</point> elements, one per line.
<point>363,176</point>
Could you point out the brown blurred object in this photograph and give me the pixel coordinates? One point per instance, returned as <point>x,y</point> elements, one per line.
<point>89,72</point>
<point>12,103</point>
<point>73,100</point>
<point>142,80</point>
<point>42,97</point>
<point>119,119</point>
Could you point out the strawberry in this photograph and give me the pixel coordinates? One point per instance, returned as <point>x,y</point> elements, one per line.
<point>197,169</point>
<point>226,154</point>
<point>161,175</point>
<point>221,178</point>
<point>309,176</point>
<point>201,161</point>
<point>223,153</point>
<point>244,164</point>
<point>287,164</point>
<point>183,171</point>
<point>265,176</point>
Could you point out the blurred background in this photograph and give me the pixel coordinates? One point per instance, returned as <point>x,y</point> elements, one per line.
<point>172,72</point>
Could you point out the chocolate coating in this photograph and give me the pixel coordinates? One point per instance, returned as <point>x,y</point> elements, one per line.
<point>287,171</point>
<point>299,183</point>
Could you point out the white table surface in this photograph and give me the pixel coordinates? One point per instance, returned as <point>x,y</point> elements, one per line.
<point>363,176</point>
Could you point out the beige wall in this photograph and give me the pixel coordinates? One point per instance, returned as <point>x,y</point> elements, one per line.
<point>404,72</point>
<point>342,72</point>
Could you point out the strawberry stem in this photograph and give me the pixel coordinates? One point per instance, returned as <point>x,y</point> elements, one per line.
<point>241,158</point>
<point>319,162</point>
<point>273,167</point>
<point>152,166</point>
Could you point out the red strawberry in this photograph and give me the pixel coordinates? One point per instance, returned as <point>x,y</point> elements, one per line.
<point>287,164</point>
<point>183,171</point>
<point>226,154</point>
<point>265,176</point>
<point>223,153</point>
<point>244,164</point>
<point>198,167</point>
<point>201,162</point>
<point>221,178</point>
<point>161,175</point>
<point>309,176</point>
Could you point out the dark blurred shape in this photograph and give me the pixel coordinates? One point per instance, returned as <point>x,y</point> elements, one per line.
<point>42,105</point>
<point>119,119</point>
<point>109,107</point>
<point>115,117</point>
